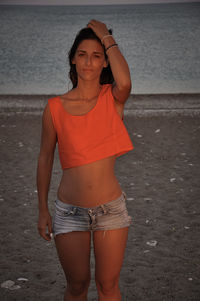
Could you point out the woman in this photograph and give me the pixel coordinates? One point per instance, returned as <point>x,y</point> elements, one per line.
<point>87,124</point>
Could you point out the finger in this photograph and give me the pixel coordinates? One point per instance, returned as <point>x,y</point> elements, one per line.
<point>46,236</point>
<point>50,229</point>
<point>43,234</point>
<point>90,24</point>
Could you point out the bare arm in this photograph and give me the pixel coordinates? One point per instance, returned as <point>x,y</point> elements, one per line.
<point>44,169</point>
<point>118,64</point>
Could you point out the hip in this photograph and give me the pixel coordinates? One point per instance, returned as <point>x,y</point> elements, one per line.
<point>108,216</point>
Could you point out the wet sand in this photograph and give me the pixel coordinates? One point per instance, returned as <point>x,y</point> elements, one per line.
<point>161,180</point>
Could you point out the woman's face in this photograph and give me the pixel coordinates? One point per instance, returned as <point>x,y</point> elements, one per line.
<point>89,60</point>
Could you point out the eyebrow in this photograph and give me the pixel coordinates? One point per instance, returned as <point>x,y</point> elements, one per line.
<point>97,52</point>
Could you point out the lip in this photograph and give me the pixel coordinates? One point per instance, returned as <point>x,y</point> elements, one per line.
<point>87,70</point>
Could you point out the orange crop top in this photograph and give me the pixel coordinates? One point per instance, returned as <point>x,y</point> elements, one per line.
<point>98,134</point>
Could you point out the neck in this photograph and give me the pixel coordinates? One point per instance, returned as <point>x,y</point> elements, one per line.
<point>88,90</point>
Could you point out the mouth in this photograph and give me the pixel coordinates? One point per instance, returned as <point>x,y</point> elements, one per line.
<point>87,70</point>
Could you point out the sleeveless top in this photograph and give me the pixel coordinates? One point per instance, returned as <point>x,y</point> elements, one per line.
<point>98,134</point>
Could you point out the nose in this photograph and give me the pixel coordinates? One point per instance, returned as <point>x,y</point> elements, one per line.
<point>88,60</point>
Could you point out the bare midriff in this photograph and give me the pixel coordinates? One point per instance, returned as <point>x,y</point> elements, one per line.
<point>90,185</point>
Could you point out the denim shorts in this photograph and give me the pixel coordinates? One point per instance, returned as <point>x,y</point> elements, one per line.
<point>112,215</point>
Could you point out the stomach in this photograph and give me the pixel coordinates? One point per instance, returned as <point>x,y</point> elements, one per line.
<point>90,185</point>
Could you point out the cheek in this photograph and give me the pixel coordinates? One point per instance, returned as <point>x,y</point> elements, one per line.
<point>99,64</point>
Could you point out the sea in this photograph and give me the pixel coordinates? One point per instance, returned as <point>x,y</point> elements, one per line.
<point>161,43</point>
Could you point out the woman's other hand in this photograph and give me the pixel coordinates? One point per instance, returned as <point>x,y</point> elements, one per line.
<point>45,222</point>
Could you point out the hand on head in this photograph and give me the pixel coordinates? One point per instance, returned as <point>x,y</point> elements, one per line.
<point>99,28</point>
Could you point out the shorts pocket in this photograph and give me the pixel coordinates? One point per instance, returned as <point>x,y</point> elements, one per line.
<point>65,211</point>
<point>118,208</point>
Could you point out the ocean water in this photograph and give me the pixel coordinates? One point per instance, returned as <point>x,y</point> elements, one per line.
<point>161,43</point>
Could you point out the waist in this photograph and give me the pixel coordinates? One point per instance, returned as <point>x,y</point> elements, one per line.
<point>89,185</point>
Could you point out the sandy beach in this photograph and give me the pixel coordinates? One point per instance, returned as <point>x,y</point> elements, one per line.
<point>161,180</point>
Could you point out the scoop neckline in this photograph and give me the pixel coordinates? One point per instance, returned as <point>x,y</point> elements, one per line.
<point>82,115</point>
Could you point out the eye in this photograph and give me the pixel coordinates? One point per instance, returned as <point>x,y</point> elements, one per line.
<point>96,55</point>
<point>81,54</point>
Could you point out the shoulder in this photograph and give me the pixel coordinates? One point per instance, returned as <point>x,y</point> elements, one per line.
<point>108,90</point>
<point>53,104</point>
<point>54,99</point>
<point>51,108</point>
<point>47,118</point>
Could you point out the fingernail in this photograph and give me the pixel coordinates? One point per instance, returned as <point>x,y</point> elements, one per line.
<point>51,235</point>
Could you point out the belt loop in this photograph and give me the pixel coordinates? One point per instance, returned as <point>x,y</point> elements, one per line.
<point>124,194</point>
<point>104,209</point>
<point>73,211</point>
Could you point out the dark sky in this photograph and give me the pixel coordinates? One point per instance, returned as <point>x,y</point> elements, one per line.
<point>88,2</point>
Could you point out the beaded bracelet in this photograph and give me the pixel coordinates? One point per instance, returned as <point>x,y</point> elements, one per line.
<point>106,36</point>
<point>115,44</point>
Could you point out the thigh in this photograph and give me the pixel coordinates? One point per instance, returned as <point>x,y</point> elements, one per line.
<point>74,253</point>
<point>109,247</point>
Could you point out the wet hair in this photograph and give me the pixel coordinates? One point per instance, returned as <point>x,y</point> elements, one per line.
<point>106,76</point>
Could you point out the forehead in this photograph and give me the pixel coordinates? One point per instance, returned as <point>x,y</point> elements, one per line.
<point>90,45</point>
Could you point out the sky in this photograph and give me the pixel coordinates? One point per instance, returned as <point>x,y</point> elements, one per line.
<point>88,2</point>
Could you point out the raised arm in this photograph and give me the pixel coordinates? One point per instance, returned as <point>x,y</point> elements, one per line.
<point>122,86</point>
<point>44,170</point>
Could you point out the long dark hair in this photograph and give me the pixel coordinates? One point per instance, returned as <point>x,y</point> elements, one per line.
<point>106,76</point>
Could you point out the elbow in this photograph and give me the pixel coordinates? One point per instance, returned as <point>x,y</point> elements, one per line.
<point>128,86</point>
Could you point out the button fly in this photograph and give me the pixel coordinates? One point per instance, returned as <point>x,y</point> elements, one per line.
<point>92,216</point>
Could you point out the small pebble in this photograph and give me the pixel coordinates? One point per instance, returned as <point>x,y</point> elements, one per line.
<point>22,279</point>
<point>7,284</point>
<point>130,199</point>
<point>20,144</point>
<point>157,131</point>
<point>183,154</point>
<point>172,180</point>
<point>147,199</point>
<point>152,243</point>
<point>15,287</point>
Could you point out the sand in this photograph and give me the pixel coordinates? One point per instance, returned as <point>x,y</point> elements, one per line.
<point>161,180</point>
